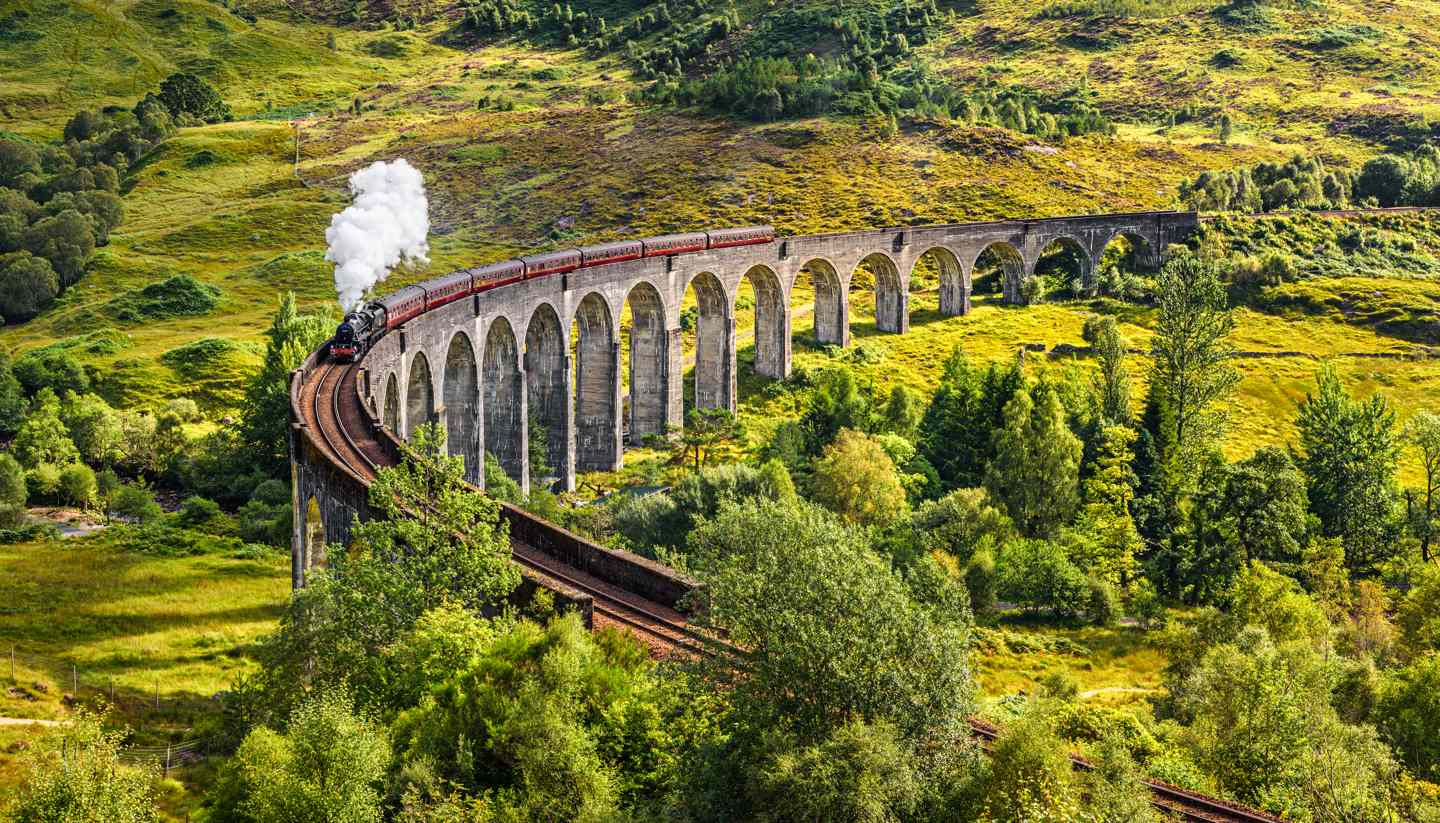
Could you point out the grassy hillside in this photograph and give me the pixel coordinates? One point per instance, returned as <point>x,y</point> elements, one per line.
<point>526,143</point>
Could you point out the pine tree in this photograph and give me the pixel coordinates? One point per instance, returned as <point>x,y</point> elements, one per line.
<point>289,340</point>
<point>1108,492</point>
<point>1035,467</point>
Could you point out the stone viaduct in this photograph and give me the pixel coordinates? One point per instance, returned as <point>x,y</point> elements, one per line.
<point>543,357</point>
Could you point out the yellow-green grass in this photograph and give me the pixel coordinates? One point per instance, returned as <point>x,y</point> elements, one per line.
<point>137,620</point>
<point>1120,665</point>
<point>1262,410</point>
<point>91,53</point>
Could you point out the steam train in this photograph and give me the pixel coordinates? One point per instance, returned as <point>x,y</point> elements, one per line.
<point>363,325</point>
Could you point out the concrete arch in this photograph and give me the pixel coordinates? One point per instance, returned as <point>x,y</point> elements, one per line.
<point>504,402</point>
<point>892,303</point>
<point>1142,251</point>
<point>1012,266</point>
<point>832,305</point>
<point>462,405</point>
<point>391,415</point>
<point>1075,248</point>
<point>772,323</point>
<point>419,395</point>
<point>714,343</point>
<point>597,386</point>
<point>650,344</point>
<point>547,382</point>
<point>954,280</point>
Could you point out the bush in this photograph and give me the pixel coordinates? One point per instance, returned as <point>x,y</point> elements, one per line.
<point>178,296</point>
<point>77,485</point>
<point>202,514</point>
<point>980,581</point>
<point>12,492</point>
<point>135,502</point>
<point>1104,606</point>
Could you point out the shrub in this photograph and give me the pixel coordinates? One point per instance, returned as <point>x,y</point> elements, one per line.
<point>77,485</point>
<point>980,581</point>
<point>1104,606</point>
<point>135,502</point>
<point>178,296</point>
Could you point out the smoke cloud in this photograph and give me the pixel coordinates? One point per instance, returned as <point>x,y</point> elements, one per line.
<point>386,225</point>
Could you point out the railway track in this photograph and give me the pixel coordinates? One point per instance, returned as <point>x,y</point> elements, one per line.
<point>1177,803</point>
<point>332,402</point>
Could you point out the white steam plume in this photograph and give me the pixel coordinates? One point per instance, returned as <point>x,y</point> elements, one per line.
<point>385,226</point>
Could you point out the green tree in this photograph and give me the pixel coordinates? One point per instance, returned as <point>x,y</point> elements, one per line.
<point>43,438</point>
<point>66,240</point>
<point>135,502</point>
<point>839,401</point>
<point>856,479</point>
<point>1031,777</point>
<point>12,397</point>
<point>1348,452</point>
<point>793,587</point>
<point>19,165</point>
<point>77,485</point>
<point>1252,510</point>
<point>28,285</point>
<point>903,411</point>
<point>55,369</point>
<point>1408,715</point>
<point>1113,789</point>
<point>860,772</point>
<point>1227,127</point>
<point>93,425</point>
<point>1422,433</point>
<point>709,432</point>
<point>565,723</point>
<point>75,774</point>
<point>265,413</point>
<point>1111,386</point>
<point>1191,367</point>
<point>955,429</point>
<point>1418,615</point>
<point>1037,574</point>
<point>183,93</point>
<point>12,492</point>
<point>328,765</point>
<point>433,542</point>
<point>1108,492</point>
<point>1035,467</point>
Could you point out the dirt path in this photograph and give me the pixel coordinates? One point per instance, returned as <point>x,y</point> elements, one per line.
<point>26,721</point>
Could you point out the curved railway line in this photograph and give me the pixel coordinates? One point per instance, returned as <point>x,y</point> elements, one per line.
<point>334,411</point>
